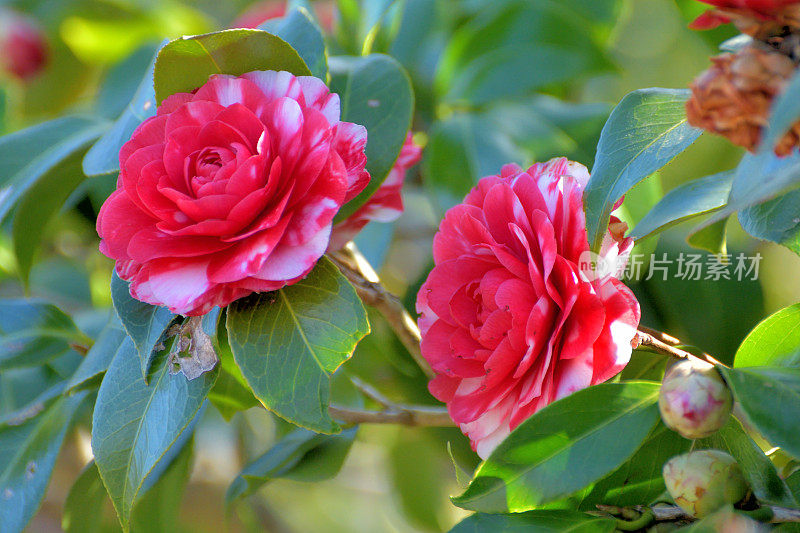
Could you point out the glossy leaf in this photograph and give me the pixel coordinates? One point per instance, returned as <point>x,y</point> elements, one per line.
<point>144,323</point>
<point>33,153</point>
<point>692,199</point>
<point>103,156</point>
<point>375,92</point>
<point>775,220</point>
<point>297,29</point>
<point>138,427</point>
<point>711,238</point>
<point>97,360</point>
<point>39,205</point>
<point>770,399</point>
<point>288,343</point>
<point>535,522</point>
<point>33,331</point>
<point>644,132</point>
<point>84,503</point>
<point>185,64</point>
<point>230,393</point>
<point>773,342</point>
<point>301,455</point>
<point>27,456</point>
<point>758,469</point>
<point>564,447</point>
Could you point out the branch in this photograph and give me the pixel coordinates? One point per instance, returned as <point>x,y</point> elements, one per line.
<point>367,284</point>
<point>669,513</point>
<point>407,415</point>
<point>666,344</point>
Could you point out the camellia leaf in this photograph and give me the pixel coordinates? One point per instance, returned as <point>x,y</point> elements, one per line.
<point>644,132</point>
<point>84,503</point>
<point>288,343</point>
<point>297,29</point>
<point>33,331</point>
<point>103,156</point>
<point>27,456</point>
<point>39,205</point>
<point>185,64</point>
<point>774,342</point>
<point>144,323</point>
<point>136,427</point>
<point>287,458</point>
<point>770,399</point>
<point>775,220</point>
<point>535,522</point>
<point>758,469</point>
<point>692,199</point>
<point>376,93</point>
<point>785,112</point>
<point>564,447</point>
<point>711,238</point>
<point>99,357</point>
<point>33,153</point>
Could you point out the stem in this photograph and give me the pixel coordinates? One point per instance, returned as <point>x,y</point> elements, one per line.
<point>407,415</point>
<point>367,284</point>
<point>765,513</point>
<point>665,344</point>
<point>643,521</point>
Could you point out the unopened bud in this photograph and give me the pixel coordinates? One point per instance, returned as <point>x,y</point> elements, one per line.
<point>694,400</point>
<point>702,482</point>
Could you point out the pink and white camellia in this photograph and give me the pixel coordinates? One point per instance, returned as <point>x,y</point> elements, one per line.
<point>756,9</point>
<point>231,189</point>
<point>386,205</point>
<point>511,319</point>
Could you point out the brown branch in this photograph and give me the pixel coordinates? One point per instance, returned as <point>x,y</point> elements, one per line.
<point>407,415</point>
<point>666,344</point>
<point>771,513</point>
<point>358,271</point>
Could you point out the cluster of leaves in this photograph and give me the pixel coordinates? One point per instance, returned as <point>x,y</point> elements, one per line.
<point>282,350</point>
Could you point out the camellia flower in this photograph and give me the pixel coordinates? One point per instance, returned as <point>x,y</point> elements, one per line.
<point>231,189</point>
<point>511,318</point>
<point>757,18</point>
<point>261,12</point>
<point>23,47</point>
<point>386,205</point>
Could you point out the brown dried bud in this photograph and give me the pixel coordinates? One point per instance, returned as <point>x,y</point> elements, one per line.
<point>734,96</point>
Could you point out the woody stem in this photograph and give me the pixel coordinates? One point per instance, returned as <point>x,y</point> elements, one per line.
<point>663,343</point>
<point>368,286</point>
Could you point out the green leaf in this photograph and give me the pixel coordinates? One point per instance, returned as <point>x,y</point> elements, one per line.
<point>376,93</point>
<point>288,343</point>
<point>27,456</point>
<point>33,407</point>
<point>564,447</point>
<point>158,510</point>
<point>84,503</point>
<point>535,522</point>
<point>770,399</point>
<point>103,156</point>
<point>639,480</point>
<point>785,112</point>
<point>644,132</point>
<point>122,80</point>
<point>758,469</point>
<point>297,29</point>
<point>39,205</point>
<point>33,332</point>
<point>711,238</point>
<point>773,342</point>
<point>692,199</point>
<point>137,427</point>
<point>301,455</point>
<point>33,153</point>
<point>185,64</point>
<point>144,323</point>
<point>793,482</point>
<point>99,357</point>
<point>775,220</point>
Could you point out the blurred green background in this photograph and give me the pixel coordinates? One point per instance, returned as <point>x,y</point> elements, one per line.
<point>490,90</point>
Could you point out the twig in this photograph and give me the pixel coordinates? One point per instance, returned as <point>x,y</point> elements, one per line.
<point>370,392</point>
<point>358,271</point>
<point>771,513</point>
<point>646,337</point>
<point>407,415</point>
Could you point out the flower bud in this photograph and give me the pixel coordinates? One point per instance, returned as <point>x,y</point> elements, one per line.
<point>694,401</point>
<point>703,481</point>
<point>23,47</point>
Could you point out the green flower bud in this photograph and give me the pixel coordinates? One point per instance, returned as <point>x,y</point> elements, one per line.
<point>694,400</point>
<point>702,482</point>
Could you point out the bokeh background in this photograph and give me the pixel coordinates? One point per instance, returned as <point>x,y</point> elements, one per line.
<point>496,82</point>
